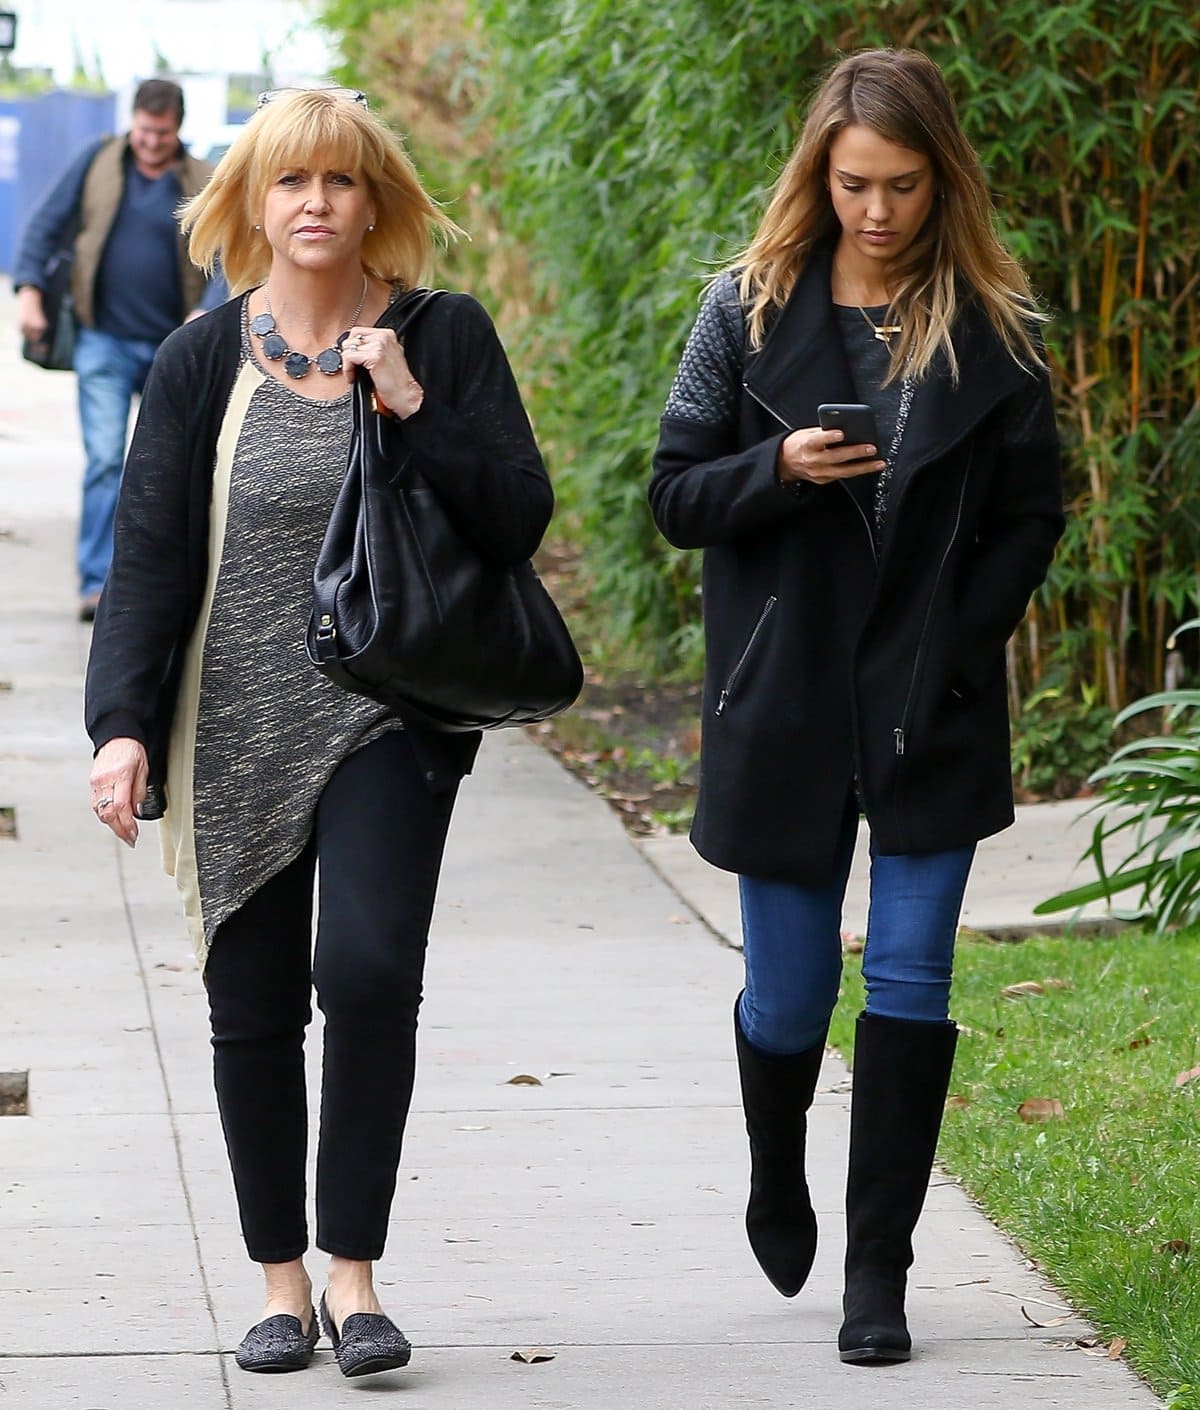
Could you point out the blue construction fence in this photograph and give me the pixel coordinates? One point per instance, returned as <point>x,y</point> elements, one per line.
<point>38,137</point>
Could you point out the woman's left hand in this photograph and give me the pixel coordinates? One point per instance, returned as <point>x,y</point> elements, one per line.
<point>379,351</point>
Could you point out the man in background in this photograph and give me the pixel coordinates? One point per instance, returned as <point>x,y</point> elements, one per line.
<point>132,283</point>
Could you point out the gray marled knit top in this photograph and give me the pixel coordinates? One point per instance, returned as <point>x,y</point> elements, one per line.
<point>270,728</point>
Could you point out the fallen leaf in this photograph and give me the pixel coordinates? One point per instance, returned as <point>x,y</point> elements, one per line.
<point>533,1355</point>
<point>523,1079</point>
<point>472,1128</point>
<point>965,1032</point>
<point>1041,1109</point>
<point>448,1240</point>
<point>1139,1038</point>
<point>1026,989</point>
<point>957,1103</point>
<point>1050,1321</point>
<point>560,1074</point>
<point>1057,984</point>
<point>1189,1076</point>
<point>1116,1347</point>
<point>1179,1246</point>
<point>1088,1345</point>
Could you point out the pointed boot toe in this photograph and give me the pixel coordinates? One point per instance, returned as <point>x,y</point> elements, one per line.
<point>785,1245</point>
<point>875,1330</point>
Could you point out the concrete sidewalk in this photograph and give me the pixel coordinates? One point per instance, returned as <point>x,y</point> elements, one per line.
<point>597,1214</point>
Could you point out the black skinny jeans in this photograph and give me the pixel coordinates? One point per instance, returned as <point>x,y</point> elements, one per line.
<point>379,836</point>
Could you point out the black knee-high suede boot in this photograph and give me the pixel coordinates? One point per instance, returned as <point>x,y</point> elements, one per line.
<point>901,1076</point>
<point>776,1095</point>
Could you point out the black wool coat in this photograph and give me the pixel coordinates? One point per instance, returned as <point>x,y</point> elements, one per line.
<point>828,660</point>
<point>470,438</point>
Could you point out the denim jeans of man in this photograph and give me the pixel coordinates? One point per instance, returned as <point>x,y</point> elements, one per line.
<point>110,372</point>
<point>793,948</point>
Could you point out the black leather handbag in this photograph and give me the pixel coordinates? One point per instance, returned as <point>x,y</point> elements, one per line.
<point>55,351</point>
<point>407,612</point>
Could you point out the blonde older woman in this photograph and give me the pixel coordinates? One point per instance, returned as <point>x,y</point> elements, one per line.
<point>199,682</point>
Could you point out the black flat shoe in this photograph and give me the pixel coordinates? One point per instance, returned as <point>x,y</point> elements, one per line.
<point>278,1343</point>
<point>368,1342</point>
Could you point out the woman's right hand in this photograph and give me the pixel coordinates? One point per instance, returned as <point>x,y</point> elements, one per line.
<point>120,772</point>
<point>819,457</point>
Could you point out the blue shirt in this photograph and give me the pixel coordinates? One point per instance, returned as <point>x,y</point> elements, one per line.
<point>139,293</point>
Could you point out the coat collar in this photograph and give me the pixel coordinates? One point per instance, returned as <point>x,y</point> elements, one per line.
<point>802,363</point>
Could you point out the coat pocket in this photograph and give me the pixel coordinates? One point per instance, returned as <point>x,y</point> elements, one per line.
<point>747,653</point>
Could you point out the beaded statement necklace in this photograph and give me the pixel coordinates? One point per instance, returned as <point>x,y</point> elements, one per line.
<point>298,364</point>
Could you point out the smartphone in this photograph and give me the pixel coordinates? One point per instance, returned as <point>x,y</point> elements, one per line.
<point>854,419</point>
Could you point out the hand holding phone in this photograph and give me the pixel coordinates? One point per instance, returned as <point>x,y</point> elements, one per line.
<point>840,447</point>
<point>855,420</point>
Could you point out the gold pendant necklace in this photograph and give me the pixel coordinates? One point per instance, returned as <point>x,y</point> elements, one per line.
<point>883,332</point>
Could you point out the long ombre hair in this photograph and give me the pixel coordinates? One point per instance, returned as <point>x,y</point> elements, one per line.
<point>294,131</point>
<point>901,95</point>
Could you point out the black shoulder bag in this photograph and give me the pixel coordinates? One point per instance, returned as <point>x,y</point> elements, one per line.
<point>55,351</point>
<point>407,612</point>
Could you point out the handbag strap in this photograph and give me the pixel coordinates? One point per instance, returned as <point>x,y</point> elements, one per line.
<point>400,316</point>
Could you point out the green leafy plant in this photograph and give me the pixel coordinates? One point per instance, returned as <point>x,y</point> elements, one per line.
<point>1151,801</point>
<point>1061,733</point>
<point>607,154</point>
<point>1101,1192</point>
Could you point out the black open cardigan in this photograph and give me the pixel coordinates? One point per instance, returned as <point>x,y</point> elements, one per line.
<point>472,442</point>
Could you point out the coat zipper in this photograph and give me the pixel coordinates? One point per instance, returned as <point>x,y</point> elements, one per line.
<point>783,421</point>
<point>899,732</point>
<point>745,656</point>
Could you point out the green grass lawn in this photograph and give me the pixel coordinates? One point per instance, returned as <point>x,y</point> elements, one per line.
<point>1106,1198</point>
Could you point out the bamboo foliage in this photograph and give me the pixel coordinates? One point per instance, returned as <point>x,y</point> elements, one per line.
<point>630,143</point>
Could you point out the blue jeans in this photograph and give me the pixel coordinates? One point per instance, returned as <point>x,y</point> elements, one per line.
<point>110,372</point>
<point>793,949</point>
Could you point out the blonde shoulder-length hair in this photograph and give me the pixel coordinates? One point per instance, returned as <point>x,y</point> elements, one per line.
<point>293,132</point>
<point>901,95</point>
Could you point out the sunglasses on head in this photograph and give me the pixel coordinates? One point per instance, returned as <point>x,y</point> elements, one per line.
<point>352,95</point>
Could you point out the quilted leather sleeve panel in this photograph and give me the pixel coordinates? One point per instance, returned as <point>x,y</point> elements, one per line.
<point>709,381</point>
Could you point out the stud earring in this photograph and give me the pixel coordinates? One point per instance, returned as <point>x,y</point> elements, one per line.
<point>258,227</point>
<point>370,227</point>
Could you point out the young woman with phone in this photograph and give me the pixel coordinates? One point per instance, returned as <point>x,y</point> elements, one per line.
<point>857,602</point>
